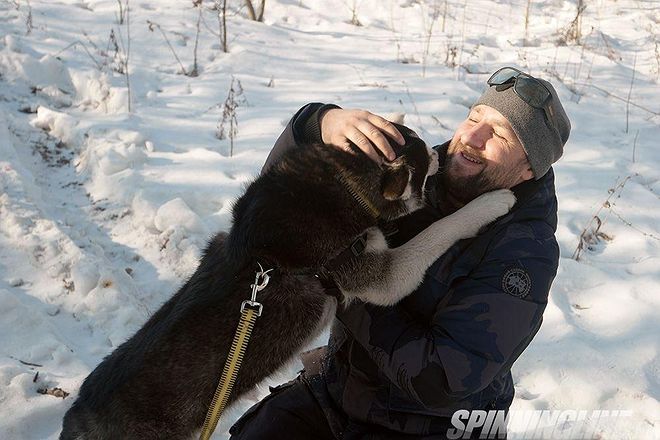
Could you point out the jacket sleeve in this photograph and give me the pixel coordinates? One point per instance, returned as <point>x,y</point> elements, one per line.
<point>303,128</point>
<point>472,338</point>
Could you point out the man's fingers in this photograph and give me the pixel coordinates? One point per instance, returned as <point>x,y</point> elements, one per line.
<point>386,126</point>
<point>367,131</point>
<point>363,143</point>
<point>346,146</point>
<point>377,138</point>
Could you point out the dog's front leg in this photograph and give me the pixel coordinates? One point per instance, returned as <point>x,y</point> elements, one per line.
<point>389,275</point>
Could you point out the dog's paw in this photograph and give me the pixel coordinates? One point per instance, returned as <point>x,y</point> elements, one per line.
<point>486,209</point>
<point>496,203</point>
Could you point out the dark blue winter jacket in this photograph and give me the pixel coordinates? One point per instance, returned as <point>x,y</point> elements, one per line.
<point>449,345</point>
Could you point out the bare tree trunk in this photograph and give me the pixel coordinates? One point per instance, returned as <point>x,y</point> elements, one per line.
<point>250,7</point>
<point>221,9</point>
<point>195,70</point>
<point>444,17</point>
<point>224,26</point>
<point>630,92</point>
<point>529,3</point>
<point>252,13</point>
<point>578,21</point>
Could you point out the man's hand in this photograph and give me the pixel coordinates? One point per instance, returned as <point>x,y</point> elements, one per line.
<point>340,127</point>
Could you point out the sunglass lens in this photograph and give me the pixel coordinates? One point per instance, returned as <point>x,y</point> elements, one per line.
<point>502,76</point>
<point>532,91</point>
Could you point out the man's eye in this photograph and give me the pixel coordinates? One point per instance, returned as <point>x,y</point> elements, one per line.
<point>472,120</point>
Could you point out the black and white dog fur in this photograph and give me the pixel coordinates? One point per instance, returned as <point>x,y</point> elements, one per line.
<point>295,217</point>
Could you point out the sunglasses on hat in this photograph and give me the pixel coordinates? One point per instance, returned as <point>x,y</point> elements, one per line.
<point>528,88</point>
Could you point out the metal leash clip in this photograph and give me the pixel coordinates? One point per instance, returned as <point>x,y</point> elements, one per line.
<point>260,282</point>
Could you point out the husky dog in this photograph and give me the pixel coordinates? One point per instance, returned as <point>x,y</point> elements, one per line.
<point>295,218</point>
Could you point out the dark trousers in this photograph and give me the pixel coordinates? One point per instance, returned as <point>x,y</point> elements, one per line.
<point>289,412</point>
<point>292,412</point>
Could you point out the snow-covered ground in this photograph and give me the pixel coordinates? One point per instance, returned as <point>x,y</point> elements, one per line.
<point>103,211</point>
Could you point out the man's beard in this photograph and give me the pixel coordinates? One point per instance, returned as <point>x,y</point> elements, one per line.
<point>464,189</point>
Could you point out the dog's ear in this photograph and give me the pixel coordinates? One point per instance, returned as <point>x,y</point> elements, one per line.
<point>396,178</point>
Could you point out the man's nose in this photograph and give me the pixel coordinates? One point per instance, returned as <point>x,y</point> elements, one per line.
<point>476,136</point>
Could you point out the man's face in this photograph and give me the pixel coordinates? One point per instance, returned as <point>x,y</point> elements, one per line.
<point>484,154</point>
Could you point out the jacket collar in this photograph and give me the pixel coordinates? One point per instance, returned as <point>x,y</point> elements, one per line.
<point>535,198</point>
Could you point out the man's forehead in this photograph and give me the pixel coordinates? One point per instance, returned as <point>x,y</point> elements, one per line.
<point>497,117</point>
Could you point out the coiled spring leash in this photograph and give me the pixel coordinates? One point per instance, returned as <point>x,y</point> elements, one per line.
<point>250,311</point>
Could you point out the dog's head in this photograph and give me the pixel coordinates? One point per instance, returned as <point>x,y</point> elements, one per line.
<point>404,179</point>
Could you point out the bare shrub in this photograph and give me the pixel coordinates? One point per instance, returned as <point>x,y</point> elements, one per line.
<point>219,10</point>
<point>592,235</point>
<point>353,6</point>
<point>450,55</point>
<point>121,48</point>
<point>234,100</point>
<point>16,4</point>
<point>153,25</point>
<point>573,32</point>
<point>28,18</point>
<point>194,71</point>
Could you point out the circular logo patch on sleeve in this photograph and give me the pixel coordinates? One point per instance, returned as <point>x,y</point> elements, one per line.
<point>516,282</point>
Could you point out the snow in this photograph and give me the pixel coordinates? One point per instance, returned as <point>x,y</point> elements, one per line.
<point>104,212</point>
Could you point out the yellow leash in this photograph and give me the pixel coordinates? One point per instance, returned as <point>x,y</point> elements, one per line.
<point>250,311</point>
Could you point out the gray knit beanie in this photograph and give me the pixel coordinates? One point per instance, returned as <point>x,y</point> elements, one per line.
<point>542,140</point>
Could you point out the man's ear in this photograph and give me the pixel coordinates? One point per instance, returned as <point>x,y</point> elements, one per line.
<point>395,180</point>
<point>527,174</point>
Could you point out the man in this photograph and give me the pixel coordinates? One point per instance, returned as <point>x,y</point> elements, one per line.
<point>401,372</point>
